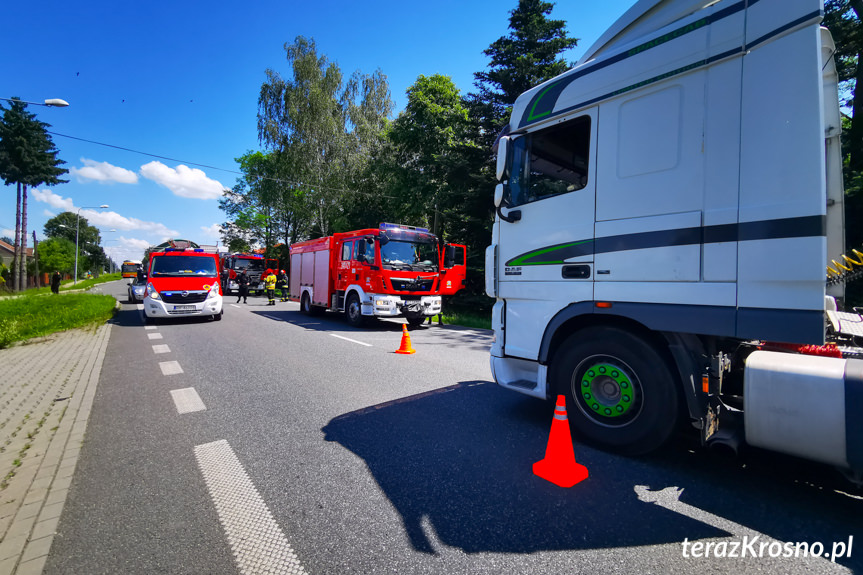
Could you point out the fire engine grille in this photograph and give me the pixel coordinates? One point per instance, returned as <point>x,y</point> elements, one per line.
<point>411,284</point>
<point>184,297</point>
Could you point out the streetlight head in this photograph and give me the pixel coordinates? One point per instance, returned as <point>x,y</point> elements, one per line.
<point>62,226</point>
<point>56,103</point>
<point>104,206</point>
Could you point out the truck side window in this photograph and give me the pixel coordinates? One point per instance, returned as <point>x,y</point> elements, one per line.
<point>550,162</point>
<point>346,251</point>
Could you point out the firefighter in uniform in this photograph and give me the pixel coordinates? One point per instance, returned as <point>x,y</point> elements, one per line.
<point>282,284</point>
<point>270,280</point>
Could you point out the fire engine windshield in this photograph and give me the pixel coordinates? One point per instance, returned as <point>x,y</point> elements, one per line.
<point>251,265</point>
<point>409,255</point>
<point>175,266</point>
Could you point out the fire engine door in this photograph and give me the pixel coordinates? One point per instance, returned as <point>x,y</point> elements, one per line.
<point>453,268</point>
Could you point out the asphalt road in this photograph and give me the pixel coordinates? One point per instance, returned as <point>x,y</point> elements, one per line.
<point>358,460</point>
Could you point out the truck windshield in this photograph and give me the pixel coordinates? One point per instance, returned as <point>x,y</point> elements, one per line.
<point>409,255</point>
<point>183,266</point>
<point>251,265</point>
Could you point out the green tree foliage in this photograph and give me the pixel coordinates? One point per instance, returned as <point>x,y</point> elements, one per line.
<point>57,254</point>
<point>27,158</point>
<point>431,145</point>
<point>92,256</point>
<point>528,56</point>
<point>322,131</point>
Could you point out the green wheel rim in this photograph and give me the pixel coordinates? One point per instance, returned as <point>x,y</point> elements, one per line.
<point>607,390</point>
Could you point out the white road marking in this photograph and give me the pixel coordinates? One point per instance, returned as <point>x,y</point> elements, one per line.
<point>234,305</point>
<point>139,305</point>
<point>257,541</point>
<point>187,400</point>
<point>150,327</point>
<point>163,348</point>
<point>154,335</point>
<point>170,367</point>
<point>352,340</point>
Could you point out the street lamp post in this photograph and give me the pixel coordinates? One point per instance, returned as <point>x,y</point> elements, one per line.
<point>77,229</point>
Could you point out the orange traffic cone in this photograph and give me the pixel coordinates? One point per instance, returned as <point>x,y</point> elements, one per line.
<point>406,342</point>
<point>559,465</point>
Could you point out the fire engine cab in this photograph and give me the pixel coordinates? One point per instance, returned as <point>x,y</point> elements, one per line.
<point>390,271</point>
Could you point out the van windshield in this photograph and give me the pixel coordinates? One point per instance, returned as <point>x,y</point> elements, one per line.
<point>175,266</point>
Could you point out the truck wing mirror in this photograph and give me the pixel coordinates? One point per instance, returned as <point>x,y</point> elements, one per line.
<point>498,195</point>
<point>502,156</point>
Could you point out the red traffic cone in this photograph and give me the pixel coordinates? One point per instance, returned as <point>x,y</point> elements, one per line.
<point>406,342</point>
<point>559,465</point>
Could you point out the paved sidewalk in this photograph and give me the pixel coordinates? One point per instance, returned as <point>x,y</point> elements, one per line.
<point>46,392</point>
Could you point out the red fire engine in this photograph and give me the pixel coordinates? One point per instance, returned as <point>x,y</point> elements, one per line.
<point>390,271</point>
<point>233,264</point>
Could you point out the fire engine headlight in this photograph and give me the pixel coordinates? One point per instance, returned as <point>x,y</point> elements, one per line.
<point>151,291</point>
<point>214,290</point>
<point>382,303</point>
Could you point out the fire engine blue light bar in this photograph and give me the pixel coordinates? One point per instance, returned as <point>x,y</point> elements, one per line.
<point>385,226</point>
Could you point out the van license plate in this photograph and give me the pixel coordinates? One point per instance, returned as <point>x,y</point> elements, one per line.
<point>184,308</point>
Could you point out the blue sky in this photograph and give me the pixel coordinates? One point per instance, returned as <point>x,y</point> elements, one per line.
<point>181,79</point>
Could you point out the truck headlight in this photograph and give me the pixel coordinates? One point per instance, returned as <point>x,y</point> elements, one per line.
<point>151,291</point>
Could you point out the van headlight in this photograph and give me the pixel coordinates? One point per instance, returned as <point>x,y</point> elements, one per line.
<point>214,290</point>
<point>151,291</point>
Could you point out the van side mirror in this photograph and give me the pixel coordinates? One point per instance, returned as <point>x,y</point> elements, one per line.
<point>502,156</point>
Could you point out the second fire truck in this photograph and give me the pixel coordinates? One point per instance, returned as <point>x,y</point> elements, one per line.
<point>389,271</point>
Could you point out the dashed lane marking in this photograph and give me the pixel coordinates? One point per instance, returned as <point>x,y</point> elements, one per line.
<point>234,305</point>
<point>139,305</point>
<point>187,400</point>
<point>163,348</point>
<point>170,367</point>
<point>150,327</point>
<point>352,340</point>
<point>257,541</point>
<point>154,335</point>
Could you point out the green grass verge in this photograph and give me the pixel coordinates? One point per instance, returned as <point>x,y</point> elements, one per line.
<point>466,320</point>
<point>34,315</point>
<point>66,285</point>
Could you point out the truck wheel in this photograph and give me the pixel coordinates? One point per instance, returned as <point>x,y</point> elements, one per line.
<point>620,390</point>
<point>354,311</point>
<point>416,321</point>
<point>306,304</point>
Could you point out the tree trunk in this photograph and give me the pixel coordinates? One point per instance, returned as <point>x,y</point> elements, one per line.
<point>36,258</point>
<point>22,265</point>
<point>17,247</point>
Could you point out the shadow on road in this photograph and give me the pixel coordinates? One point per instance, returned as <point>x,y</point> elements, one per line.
<point>461,456</point>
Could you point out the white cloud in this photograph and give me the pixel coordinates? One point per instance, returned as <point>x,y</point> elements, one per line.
<point>183,181</point>
<point>48,213</point>
<point>125,248</point>
<point>7,233</point>
<point>53,200</point>
<point>213,231</point>
<point>104,173</point>
<point>102,218</point>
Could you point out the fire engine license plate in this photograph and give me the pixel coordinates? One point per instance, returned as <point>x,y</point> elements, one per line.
<point>184,308</point>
